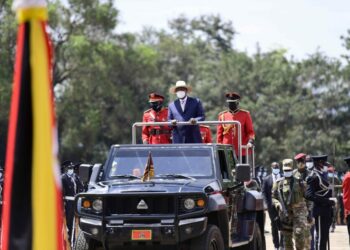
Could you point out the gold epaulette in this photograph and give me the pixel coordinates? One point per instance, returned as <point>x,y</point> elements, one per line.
<point>223,112</point>
<point>244,110</point>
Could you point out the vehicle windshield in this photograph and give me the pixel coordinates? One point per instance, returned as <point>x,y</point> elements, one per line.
<point>196,163</point>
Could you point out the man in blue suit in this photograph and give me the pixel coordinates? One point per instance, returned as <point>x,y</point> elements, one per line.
<point>185,108</point>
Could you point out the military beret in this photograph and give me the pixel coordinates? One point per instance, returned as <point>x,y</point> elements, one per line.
<point>317,158</point>
<point>347,159</point>
<point>154,97</point>
<point>299,156</point>
<point>232,96</point>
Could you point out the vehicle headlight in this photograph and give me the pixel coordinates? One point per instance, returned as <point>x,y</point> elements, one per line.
<point>189,203</point>
<point>97,205</point>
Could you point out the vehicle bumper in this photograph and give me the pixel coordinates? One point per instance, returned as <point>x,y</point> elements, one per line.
<point>116,233</point>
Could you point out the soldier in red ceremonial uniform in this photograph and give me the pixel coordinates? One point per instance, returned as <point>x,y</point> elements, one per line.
<point>205,133</point>
<point>227,133</point>
<point>346,194</point>
<point>156,134</point>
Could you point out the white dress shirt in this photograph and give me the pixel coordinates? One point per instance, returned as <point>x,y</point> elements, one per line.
<point>275,177</point>
<point>183,103</point>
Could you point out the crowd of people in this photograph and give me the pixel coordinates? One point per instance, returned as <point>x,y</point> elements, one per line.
<point>305,203</point>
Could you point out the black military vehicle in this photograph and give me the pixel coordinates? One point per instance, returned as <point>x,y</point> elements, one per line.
<point>196,199</point>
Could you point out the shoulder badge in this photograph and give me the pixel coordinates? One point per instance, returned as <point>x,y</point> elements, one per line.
<point>244,110</point>
<point>223,112</point>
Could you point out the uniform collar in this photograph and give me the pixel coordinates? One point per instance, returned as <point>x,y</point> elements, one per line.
<point>234,112</point>
<point>302,171</point>
<point>318,171</point>
<point>158,111</point>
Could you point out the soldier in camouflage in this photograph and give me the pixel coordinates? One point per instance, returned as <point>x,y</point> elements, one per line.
<point>288,199</point>
<point>301,174</point>
<point>309,162</point>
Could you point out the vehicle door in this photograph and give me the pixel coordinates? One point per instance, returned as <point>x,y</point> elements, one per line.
<point>235,192</point>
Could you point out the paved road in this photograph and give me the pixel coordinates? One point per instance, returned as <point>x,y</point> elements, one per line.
<point>339,239</point>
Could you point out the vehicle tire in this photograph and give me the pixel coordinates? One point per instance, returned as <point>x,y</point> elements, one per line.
<point>257,243</point>
<point>211,239</point>
<point>84,243</point>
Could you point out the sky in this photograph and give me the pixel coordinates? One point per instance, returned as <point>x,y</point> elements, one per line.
<point>300,26</point>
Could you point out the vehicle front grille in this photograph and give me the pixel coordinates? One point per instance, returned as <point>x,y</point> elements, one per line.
<point>156,204</point>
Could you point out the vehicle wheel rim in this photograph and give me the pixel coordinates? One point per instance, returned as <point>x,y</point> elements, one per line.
<point>213,245</point>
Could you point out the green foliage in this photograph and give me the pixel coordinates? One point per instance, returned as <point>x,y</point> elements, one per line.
<point>102,78</point>
<point>7,48</point>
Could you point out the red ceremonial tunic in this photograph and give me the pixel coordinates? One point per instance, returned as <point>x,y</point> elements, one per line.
<point>205,133</point>
<point>156,134</point>
<point>346,194</point>
<point>228,133</point>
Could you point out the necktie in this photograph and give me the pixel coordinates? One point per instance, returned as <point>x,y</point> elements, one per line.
<point>183,105</point>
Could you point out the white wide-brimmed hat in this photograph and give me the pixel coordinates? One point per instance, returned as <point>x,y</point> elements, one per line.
<point>180,84</point>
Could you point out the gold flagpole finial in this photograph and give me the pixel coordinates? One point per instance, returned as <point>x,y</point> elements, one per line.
<point>30,9</point>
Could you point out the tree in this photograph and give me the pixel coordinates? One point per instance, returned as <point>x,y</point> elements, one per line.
<point>7,51</point>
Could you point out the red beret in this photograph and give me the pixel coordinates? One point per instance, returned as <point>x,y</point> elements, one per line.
<point>232,96</point>
<point>154,97</point>
<point>299,156</point>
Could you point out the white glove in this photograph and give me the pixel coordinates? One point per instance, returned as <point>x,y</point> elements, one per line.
<point>250,143</point>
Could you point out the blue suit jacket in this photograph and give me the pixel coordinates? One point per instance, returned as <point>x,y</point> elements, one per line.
<point>193,109</point>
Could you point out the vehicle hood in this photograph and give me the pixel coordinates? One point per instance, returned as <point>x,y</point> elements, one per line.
<point>153,186</point>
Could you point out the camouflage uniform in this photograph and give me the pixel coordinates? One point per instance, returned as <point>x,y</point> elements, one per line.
<point>301,178</point>
<point>288,198</point>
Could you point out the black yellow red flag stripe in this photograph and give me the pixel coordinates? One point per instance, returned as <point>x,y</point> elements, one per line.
<point>148,173</point>
<point>32,207</point>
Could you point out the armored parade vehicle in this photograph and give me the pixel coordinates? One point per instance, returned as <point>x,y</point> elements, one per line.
<point>195,196</point>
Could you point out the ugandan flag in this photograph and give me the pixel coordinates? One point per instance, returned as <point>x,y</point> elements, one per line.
<point>149,169</point>
<point>32,215</point>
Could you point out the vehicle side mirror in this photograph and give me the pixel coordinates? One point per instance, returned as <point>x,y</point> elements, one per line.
<point>96,170</point>
<point>243,172</point>
<point>85,171</point>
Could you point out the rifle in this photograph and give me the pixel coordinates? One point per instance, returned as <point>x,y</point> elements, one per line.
<point>284,211</point>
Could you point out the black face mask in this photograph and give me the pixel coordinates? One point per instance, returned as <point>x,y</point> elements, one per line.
<point>233,106</point>
<point>156,106</point>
